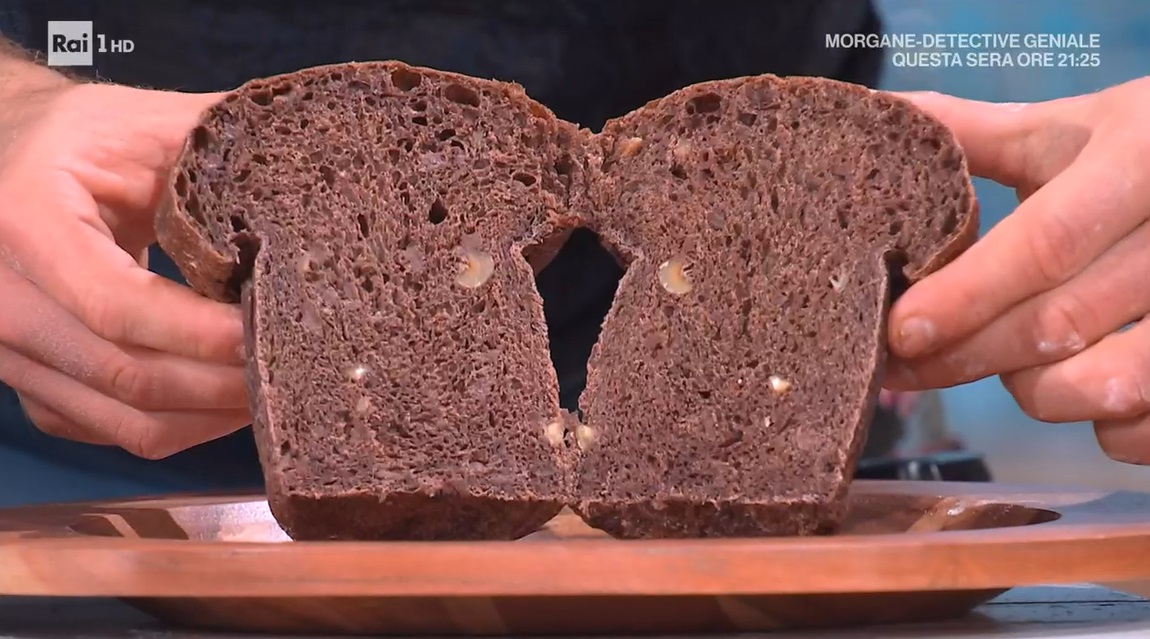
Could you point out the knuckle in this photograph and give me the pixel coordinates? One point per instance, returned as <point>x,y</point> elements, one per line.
<point>130,382</point>
<point>1053,250</point>
<point>1059,327</point>
<point>1026,398</point>
<point>137,435</point>
<point>1126,395</point>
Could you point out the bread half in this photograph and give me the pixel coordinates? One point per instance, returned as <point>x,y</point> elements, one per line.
<point>762,220</point>
<point>372,220</point>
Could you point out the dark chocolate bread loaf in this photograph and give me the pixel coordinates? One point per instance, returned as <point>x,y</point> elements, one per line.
<point>736,373</point>
<point>372,217</point>
<point>377,222</point>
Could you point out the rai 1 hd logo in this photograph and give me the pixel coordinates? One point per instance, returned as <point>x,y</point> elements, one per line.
<point>73,43</point>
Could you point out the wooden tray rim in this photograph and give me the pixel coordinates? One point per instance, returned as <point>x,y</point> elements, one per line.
<point>1089,542</point>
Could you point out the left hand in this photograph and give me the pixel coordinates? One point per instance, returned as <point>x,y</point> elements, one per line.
<point>1042,298</point>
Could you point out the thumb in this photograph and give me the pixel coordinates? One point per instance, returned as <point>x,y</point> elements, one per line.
<point>1017,144</point>
<point>186,110</point>
<point>994,136</point>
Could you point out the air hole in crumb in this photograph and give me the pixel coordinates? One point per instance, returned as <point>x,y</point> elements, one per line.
<point>678,171</point>
<point>843,217</point>
<point>262,98</point>
<point>420,120</point>
<point>238,224</point>
<point>895,227</point>
<point>405,79</point>
<point>564,165</point>
<point>364,227</point>
<point>706,103</point>
<point>181,185</point>
<point>949,223</point>
<point>438,212</point>
<point>747,118</point>
<point>201,138</point>
<point>419,105</point>
<point>407,144</point>
<point>327,174</point>
<point>897,281</point>
<point>445,135</point>
<point>872,174</point>
<point>260,159</point>
<point>192,206</point>
<point>460,94</point>
<point>524,179</point>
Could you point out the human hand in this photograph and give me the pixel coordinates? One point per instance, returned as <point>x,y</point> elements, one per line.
<point>1042,299</point>
<point>98,348</point>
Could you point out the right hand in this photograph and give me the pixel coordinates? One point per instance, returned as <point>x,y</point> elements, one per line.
<point>99,349</point>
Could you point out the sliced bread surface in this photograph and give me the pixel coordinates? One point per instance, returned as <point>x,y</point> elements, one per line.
<point>737,371</point>
<point>372,217</point>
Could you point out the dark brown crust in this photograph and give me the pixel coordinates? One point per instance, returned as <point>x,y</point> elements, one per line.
<point>206,270</point>
<point>967,233</point>
<point>215,275</point>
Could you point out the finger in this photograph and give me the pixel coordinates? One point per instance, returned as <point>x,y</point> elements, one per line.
<point>123,160</point>
<point>1109,381</point>
<point>1107,295</point>
<point>52,423</point>
<point>1014,144</point>
<point>152,435</point>
<point>1051,237</point>
<point>103,286</point>
<point>1125,440</point>
<point>144,379</point>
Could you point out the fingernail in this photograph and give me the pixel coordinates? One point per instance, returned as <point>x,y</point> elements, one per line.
<point>915,337</point>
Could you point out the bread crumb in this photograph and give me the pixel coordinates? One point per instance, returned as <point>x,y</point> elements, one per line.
<point>779,385</point>
<point>630,147</point>
<point>682,151</point>
<point>838,282</point>
<point>673,277</point>
<point>363,405</point>
<point>476,269</point>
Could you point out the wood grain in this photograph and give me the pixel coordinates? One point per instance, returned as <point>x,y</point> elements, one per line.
<point>909,552</point>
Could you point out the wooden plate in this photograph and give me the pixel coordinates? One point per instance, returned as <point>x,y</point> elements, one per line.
<point>910,552</point>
